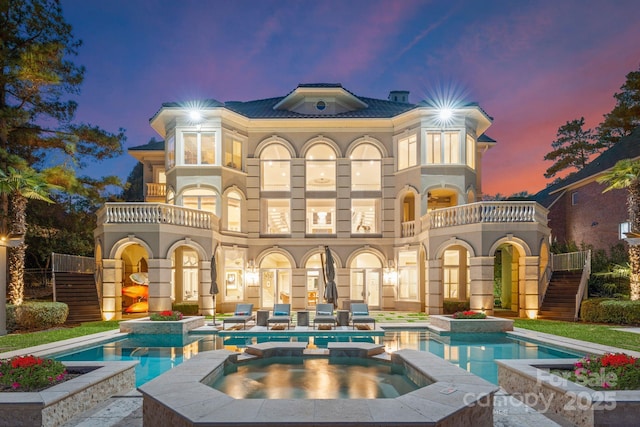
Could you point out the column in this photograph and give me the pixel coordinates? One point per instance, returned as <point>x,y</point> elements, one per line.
<point>159,285</point>
<point>205,299</point>
<point>298,289</point>
<point>112,289</point>
<point>481,270</point>
<point>529,277</point>
<point>434,297</point>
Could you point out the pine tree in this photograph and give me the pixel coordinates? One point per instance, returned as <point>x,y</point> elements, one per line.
<point>572,148</point>
<point>625,116</point>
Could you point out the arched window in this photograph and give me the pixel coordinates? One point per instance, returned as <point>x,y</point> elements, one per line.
<point>200,198</point>
<point>275,168</point>
<point>321,168</point>
<point>366,168</point>
<point>234,211</point>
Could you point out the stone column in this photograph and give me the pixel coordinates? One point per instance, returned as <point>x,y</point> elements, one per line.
<point>112,289</point>
<point>205,299</point>
<point>481,270</point>
<point>434,297</point>
<point>529,277</point>
<point>159,285</point>
<point>298,289</point>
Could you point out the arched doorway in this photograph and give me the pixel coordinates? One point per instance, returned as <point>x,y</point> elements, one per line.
<point>135,279</point>
<point>184,275</point>
<point>315,283</point>
<point>456,279</point>
<point>275,280</point>
<point>366,279</point>
<point>506,277</point>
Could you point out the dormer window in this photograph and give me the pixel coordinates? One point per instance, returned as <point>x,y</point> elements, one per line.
<point>321,105</point>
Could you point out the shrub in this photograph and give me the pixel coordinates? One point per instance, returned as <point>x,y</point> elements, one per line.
<point>186,308</point>
<point>38,315</point>
<point>603,310</point>
<point>11,318</point>
<point>30,373</point>
<point>469,315</point>
<point>165,316</point>
<point>450,306</point>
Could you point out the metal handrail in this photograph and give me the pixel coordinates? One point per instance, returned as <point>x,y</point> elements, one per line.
<point>582,289</point>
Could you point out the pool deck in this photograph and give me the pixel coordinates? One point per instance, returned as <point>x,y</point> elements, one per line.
<point>126,410</point>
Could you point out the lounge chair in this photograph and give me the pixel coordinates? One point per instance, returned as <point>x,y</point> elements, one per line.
<point>281,314</point>
<point>324,314</point>
<point>360,315</point>
<point>243,313</point>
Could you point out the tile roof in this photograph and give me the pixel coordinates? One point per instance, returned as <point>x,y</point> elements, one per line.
<point>627,148</point>
<point>150,146</point>
<point>263,109</point>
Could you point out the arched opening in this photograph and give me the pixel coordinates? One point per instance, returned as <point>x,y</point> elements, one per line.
<point>315,283</point>
<point>320,168</point>
<point>275,168</point>
<point>135,278</point>
<point>234,211</point>
<point>456,277</point>
<point>200,198</point>
<point>409,207</point>
<point>366,279</point>
<point>439,198</point>
<point>184,275</point>
<point>275,280</point>
<point>506,277</point>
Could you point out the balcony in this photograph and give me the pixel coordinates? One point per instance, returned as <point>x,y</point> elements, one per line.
<point>487,212</point>
<point>155,213</point>
<point>156,193</point>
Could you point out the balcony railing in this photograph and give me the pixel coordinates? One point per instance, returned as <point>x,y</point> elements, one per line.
<point>156,190</point>
<point>408,229</point>
<point>154,213</point>
<point>487,212</point>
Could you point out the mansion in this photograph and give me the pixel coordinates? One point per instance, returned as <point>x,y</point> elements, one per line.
<point>394,189</point>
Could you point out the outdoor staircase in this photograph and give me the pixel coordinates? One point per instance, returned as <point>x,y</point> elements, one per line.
<point>560,300</point>
<point>79,292</point>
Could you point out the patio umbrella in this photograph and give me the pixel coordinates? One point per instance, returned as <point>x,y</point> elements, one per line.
<point>330,290</point>
<point>214,285</point>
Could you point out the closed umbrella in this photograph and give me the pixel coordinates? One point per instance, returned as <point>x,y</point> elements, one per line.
<point>330,290</point>
<point>214,285</point>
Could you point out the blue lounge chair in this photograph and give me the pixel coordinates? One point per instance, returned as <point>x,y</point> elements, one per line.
<point>281,314</point>
<point>243,313</point>
<point>324,314</point>
<point>360,315</point>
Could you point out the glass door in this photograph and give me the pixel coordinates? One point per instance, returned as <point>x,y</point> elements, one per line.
<point>365,286</point>
<point>276,287</point>
<point>269,286</point>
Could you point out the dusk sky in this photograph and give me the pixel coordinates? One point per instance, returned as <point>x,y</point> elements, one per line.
<point>531,65</point>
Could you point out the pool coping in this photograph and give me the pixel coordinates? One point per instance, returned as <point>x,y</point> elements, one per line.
<point>180,397</point>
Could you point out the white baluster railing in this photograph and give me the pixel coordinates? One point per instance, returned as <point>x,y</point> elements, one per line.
<point>408,229</point>
<point>154,213</point>
<point>482,212</point>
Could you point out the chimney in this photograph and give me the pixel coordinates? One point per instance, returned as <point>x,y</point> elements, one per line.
<point>399,96</point>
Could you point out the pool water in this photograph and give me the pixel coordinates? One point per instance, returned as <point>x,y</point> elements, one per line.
<point>313,378</point>
<point>473,352</point>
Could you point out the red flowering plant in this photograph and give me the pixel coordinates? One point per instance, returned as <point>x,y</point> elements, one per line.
<point>165,316</point>
<point>30,373</point>
<point>469,314</point>
<point>612,371</point>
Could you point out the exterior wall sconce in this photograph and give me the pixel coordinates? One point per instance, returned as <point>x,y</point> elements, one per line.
<point>390,274</point>
<point>251,274</point>
<point>11,240</point>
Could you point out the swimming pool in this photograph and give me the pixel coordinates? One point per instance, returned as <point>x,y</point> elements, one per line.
<point>473,352</point>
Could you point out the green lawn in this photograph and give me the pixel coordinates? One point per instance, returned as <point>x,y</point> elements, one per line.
<point>596,333</point>
<point>30,339</point>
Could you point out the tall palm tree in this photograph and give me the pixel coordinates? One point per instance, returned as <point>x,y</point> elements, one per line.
<point>626,174</point>
<point>20,186</point>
